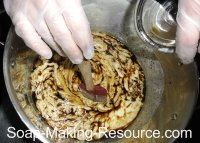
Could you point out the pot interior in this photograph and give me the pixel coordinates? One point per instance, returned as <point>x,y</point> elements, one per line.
<point>170,88</point>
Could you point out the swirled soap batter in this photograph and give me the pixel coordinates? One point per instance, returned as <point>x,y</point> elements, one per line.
<point>55,84</point>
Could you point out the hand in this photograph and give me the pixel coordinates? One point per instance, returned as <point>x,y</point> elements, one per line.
<point>62,24</point>
<point>188,30</point>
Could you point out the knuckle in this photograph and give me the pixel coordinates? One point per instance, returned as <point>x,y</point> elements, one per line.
<point>62,38</point>
<point>59,34</point>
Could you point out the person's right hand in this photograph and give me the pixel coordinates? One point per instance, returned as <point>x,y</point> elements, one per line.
<point>62,24</point>
<point>188,30</point>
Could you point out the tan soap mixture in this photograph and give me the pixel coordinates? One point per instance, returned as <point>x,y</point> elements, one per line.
<point>55,84</point>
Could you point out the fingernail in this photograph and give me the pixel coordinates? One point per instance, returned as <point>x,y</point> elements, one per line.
<point>62,54</point>
<point>89,53</point>
<point>46,53</point>
<point>187,61</point>
<point>77,61</point>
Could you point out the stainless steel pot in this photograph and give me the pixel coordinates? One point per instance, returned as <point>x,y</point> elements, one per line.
<point>171,88</point>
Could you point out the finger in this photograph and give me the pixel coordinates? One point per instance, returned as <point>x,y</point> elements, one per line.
<point>26,31</point>
<point>61,34</point>
<point>78,24</point>
<point>187,37</point>
<point>44,32</point>
<point>34,12</point>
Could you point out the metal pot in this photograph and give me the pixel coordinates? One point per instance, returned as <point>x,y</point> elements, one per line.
<point>171,88</point>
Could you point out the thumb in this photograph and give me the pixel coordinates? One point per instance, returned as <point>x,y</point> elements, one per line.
<point>187,34</point>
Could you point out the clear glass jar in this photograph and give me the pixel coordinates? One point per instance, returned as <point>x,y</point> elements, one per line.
<point>156,23</point>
